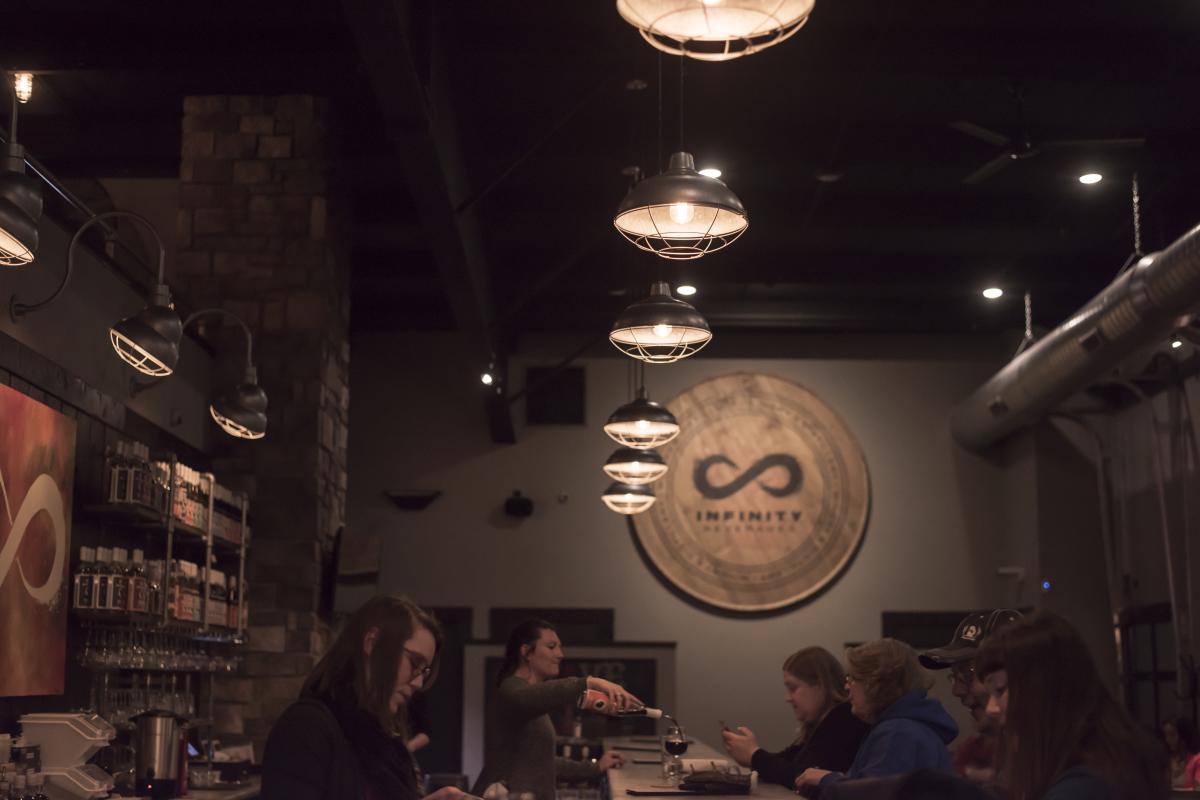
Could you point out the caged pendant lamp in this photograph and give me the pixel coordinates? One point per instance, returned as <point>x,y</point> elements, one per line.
<point>715,30</point>
<point>20,195</point>
<point>660,329</point>
<point>681,214</point>
<point>635,467</point>
<point>641,424</point>
<point>241,410</point>
<point>627,498</point>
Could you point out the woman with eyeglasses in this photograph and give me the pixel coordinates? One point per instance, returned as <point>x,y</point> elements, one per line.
<point>345,736</point>
<point>829,734</point>
<point>1066,737</point>
<point>909,731</point>
<point>519,736</point>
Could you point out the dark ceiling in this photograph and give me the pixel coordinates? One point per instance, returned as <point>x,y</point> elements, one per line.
<point>484,145</point>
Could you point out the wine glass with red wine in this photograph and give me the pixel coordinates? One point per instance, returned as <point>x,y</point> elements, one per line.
<point>675,744</point>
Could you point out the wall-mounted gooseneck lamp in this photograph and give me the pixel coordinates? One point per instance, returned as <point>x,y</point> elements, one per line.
<point>20,195</point>
<point>240,410</point>
<point>148,341</point>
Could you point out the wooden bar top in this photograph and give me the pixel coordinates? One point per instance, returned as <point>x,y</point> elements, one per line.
<point>648,777</point>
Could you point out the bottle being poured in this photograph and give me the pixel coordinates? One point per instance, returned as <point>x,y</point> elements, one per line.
<point>599,702</point>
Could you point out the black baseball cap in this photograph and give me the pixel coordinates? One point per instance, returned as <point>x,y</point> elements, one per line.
<point>970,634</point>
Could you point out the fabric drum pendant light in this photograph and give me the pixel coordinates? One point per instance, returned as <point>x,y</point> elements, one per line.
<point>627,498</point>
<point>681,214</point>
<point>660,329</point>
<point>641,424</point>
<point>715,30</point>
<point>633,466</point>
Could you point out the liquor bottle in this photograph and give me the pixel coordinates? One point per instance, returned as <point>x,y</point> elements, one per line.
<point>36,784</point>
<point>139,597</point>
<point>154,587</point>
<point>18,787</point>
<point>103,579</point>
<point>85,580</point>
<point>218,599</point>
<point>594,700</point>
<point>119,581</point>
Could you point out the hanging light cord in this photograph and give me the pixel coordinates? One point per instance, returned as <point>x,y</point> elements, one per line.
<point>659,155</point>
<point>681,60</point>
<point>17,309</point>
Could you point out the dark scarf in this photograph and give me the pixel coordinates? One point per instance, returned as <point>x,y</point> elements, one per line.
<point>387,766</point>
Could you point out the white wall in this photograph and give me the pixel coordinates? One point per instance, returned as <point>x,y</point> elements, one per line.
<point>936,530</point>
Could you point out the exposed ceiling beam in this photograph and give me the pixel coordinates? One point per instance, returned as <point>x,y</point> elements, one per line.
<point>403,71</point>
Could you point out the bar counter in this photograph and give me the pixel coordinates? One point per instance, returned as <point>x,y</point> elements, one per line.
<point>648,777</point>
<point>250,790</point>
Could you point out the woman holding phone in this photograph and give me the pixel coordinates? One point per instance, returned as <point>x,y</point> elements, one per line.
<point>829,734</point>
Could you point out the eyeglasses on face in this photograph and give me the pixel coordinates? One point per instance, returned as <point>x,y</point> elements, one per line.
<point>420,667</point>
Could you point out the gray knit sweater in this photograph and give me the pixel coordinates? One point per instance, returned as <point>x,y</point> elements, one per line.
<point>519,737</point>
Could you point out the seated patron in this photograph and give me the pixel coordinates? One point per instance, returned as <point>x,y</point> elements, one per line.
<point>1065,736</point>
<point>345,737</point>
<point>976,758</point>
<point>1183,746</point>
<point>908,732</point>
<point>829,735</point>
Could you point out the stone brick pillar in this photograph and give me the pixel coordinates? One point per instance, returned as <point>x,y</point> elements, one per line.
<point>260,234</point>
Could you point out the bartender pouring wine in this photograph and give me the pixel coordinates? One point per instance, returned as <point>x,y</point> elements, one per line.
<point>519,747</point>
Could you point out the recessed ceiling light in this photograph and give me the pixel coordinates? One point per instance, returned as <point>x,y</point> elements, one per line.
<point>711,173</point>
<point>1176,343</point>
<point>1090,178</point>
<point>486,379</point>
<point>686,290</point>
<point>993,293</point>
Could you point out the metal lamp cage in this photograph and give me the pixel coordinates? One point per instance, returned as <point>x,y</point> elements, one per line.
<point>641,424</point>
<point>635,467</point>
<point>626,498</point>
<point>660,329</point>
<point>715,30</point>
<point>681,214</point>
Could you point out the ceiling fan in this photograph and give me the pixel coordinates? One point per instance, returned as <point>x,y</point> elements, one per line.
<point>1020,146</point>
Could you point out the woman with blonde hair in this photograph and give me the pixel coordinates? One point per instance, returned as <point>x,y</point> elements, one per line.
<point>909,731</point>
<point>829,734</point>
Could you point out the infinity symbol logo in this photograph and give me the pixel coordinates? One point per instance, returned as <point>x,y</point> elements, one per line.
<point>795,477</point>
<point>43,496</point>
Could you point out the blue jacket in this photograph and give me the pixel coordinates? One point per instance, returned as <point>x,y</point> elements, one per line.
<point>910,734</point>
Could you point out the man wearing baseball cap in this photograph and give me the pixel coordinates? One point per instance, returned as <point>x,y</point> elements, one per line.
<point>975,758</point>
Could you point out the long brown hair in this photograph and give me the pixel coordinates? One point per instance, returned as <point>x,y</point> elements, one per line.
<point>888,670</point>
<point>372,680</point>
<point>816,666</point>
<point>1060,715</point>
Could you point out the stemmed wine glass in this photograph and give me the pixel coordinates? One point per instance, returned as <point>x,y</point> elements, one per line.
<point>675,744</point>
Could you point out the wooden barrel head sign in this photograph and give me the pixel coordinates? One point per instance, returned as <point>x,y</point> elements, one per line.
<point>767,497</point>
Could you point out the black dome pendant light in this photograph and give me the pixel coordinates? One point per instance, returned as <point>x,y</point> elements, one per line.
<point>628,498</point>
<point>240,410</point>
<point>20,195</point>
<point>641,423</point>
<point>680,214</point>
<point>636,467</point>
<point>148,341</point>
<point>660,329</point>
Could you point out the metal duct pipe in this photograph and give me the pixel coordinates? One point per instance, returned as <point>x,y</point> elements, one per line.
<point>1143,306</point>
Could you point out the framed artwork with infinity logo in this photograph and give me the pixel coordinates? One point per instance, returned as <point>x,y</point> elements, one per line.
<point>37,469</point>
<point>767,498</point>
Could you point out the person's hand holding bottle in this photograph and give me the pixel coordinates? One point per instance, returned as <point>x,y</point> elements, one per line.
<point>620,699</point>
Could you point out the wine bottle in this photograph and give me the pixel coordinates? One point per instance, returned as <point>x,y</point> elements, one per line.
<point>594,700</point>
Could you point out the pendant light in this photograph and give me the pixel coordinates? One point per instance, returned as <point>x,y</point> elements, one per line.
<point>681,214</point>
<point>20,195</point>
<point>240,410</point>
<point>636,467</point>
<point>660,329</point>
<point>148,341</point>
<point>715,30</point>
<point>641,424</point>
<point>628,498</point>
